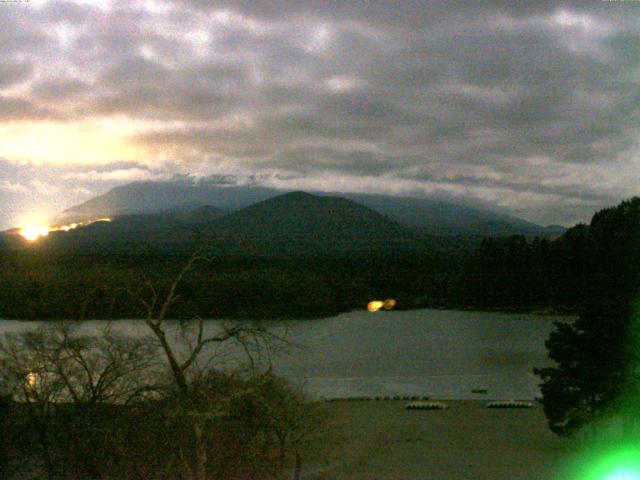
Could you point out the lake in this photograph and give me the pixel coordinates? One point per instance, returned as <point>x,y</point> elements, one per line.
<point>439,353</point>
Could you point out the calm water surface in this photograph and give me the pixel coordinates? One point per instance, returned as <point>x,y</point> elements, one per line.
<point>443,354</point>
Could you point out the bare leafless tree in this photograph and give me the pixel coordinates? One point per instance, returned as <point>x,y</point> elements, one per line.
<point>57,372</point>
<point>188,365</point>
<point>208,411</point>
<point>57,363</point>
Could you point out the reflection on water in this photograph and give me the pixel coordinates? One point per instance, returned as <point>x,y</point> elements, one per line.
<point>443,354</point>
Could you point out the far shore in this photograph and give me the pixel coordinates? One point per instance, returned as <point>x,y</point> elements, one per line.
<point>539,311</point>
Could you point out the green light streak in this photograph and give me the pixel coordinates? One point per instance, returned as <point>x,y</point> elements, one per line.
<point>614,463</point>
<point>624,474</point>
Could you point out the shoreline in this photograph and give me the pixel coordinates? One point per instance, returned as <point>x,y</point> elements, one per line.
<point>541,312</point>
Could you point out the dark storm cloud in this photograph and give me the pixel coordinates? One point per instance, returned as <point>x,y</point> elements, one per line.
<point>518,104</point>
<point>12,108</point>
<point>573,191</point>
<point>59,89</point>
<point>14,72</point>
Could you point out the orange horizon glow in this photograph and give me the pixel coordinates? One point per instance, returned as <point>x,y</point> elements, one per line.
<point>35,231</point>
<point>73,143</point>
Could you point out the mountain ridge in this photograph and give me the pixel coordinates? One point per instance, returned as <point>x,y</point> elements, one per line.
<point>300,214</point>
<point>422,215</point>
<point>297,223</point>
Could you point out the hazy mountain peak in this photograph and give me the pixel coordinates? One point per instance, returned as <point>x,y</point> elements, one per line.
<point>304,215</point>
<point>228,194</point>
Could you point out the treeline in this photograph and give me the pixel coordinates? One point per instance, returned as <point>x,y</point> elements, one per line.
<point>110,406</point>
<point>45,286</point>
<point>514,273</point>
<point>596,360</point>
<point>589,263</point>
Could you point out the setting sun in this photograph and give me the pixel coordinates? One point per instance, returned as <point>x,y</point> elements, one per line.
<point>34,232</point>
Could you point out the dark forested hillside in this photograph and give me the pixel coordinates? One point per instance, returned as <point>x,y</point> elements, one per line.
<point>41,285</point>
<point>229,194</point>
<point>257,270</point>
<point>588,262</point>
<point>293,223</point>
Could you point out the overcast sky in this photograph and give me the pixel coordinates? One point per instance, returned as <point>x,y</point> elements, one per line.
<point>526,106</point>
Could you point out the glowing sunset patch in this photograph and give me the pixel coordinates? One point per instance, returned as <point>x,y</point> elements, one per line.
<point>33,232</point>
<point>73,143</point>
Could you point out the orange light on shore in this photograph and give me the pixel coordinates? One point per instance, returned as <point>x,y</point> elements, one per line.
<point>389,304</point>
<point>377,305</point>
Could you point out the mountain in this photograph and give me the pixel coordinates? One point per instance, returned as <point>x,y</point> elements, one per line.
<point>291,223</point>
<point>127,233</point>
<point>443,218</point>
<point>302,224</point>
<point>202,215</point>
<point>554,230</point>
<point>167,231</point>
<point>419,214</point>
<point>300,215</point>
<point>158,197</point>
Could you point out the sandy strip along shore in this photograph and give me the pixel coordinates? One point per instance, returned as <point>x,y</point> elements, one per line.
<point>380,440</point>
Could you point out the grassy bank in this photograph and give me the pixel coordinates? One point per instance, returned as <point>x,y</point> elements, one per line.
<point>381,440</point>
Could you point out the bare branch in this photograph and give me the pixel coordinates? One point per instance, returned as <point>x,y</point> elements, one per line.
<point>171,296</point>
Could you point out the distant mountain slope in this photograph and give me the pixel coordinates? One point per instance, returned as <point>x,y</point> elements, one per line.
<point>155,197</point>
<point>126,233</point>
<point>442,218</point>
<point>167,231</point>
<point>293,223</point>
<point>419,214</point>
<point>300,215</point>
<point>202,215</point>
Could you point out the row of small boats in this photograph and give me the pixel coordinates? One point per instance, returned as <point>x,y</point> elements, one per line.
<point>426,405</point>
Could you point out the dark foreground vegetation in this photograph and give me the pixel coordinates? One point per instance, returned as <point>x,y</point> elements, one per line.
<point>271,280</point>
<point>597,357</point>
<point>80,405</point>
<point>155,439</point>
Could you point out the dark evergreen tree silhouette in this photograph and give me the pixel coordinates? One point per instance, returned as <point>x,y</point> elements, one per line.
<point>596,360</point>
<point>597,356</point>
